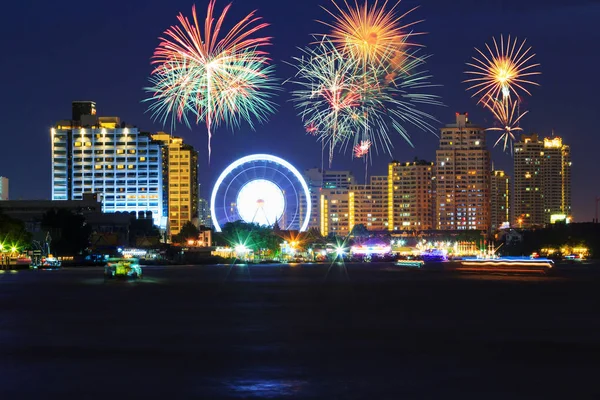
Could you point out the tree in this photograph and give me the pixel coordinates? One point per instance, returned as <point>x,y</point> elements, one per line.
<point>188,231</point>
<point>143,232</point>
<point>359,230</point>
<point>256,237</point>
<point>70,233</point>
<point>12,232</point>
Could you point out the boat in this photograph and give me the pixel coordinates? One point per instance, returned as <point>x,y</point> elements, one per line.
<point>123,268</point>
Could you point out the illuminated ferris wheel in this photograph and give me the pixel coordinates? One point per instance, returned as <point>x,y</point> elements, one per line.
<point>261,189</point>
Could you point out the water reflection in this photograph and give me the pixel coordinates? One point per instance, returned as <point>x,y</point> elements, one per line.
<point>126,282</point>
<point>266,388</point>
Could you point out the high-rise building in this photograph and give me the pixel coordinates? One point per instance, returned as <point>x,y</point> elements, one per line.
<point>500,198</point>
<point>334,212</point>
<point>528,198</point>
<point>367,204</point>
<point>542,182</point>
<point>317,179</point>
<point>3,188</point>
<point>204,216</point>
<point>181,180</point>
<point>462,177</point>
<point>410,195</point>
<point>556,180</point>
<point>101,155</point>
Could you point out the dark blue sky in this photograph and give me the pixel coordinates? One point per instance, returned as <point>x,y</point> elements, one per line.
<point>57,52</point>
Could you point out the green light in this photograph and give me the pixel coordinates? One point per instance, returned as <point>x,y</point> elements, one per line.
<point>240,249</point>
<point>13,249</point>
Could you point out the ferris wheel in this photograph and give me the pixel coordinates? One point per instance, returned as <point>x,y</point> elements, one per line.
<point>261,189</point>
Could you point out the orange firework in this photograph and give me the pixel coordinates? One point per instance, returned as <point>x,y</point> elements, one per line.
<point>507,69</point>
<point>371,34</point>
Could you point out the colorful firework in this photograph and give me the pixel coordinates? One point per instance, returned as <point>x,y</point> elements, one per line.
<point>370,33</point>
<point>507,69</point>
<point>362,149</point>
<point>347,103</point>
<point>329,96</point>
<point>218,80</point>
<point>311,129</point>
<point>506,113</point>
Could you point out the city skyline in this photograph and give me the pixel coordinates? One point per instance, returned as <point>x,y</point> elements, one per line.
<point>556,104</point>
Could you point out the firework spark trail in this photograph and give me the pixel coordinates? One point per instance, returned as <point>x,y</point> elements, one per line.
<point>345,103</point>
<point>218,80</point>
<point>507,69</point>
<point>362,149</point>
<point>500,76</point>
<point>329,93</point>
<point>369,33</point>
<point>506,113</point>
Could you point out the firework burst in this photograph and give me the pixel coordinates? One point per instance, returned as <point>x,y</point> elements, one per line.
<point>329,94</point>
<point>507,68</point>
<point>370,33</point>
<point>347,103</point>
<point>362,149</point>
<point>218,80</point>
<point>506,114</point>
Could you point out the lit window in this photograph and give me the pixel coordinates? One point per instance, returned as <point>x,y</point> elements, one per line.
<point>130,166</point>
<point>77,144</point>
<point>120,151</point>
<point>98,166</point>
<point>120,166</point>
<point>142,158</point>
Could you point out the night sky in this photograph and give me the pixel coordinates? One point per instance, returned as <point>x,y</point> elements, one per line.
<point>59,51</point>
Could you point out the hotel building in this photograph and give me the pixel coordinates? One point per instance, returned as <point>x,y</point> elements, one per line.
<point>410,195</point>
<point>556,180</point>
<point>462,177</point>
<point>542,182</point>
<point>368,204</point>
<point>500,197</point>
<point>102,155</point>
<point>334,212</point>
<point>180,181</point>
<point>318,179</point>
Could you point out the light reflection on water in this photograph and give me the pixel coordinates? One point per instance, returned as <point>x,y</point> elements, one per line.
<point>265,388</point>
<point>102,281</point>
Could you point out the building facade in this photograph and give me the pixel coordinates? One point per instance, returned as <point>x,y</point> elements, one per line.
<point>92,154</point>
<point>334,212</point>
<point>180,181</point>
<point>410,195</point>
<point>501,200</point>
<point>204,218</point>
<point>528,196</point>
<point>368,204</point>
<point>462,177</point>
<point>556,180</point>
<point>3,188</point>
<point>318,179</point>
